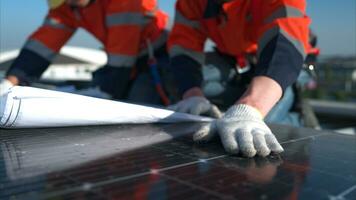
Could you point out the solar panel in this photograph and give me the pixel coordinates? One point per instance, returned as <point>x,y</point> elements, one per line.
<point>162,162</point>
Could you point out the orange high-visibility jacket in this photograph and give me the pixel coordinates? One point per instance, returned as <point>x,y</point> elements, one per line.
<point>276,30</point>
<point>123,27</point>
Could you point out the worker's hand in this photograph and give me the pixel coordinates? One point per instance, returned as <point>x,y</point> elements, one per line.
<point>241,129</point>
<point>197,105</point>
<point>5,85</point>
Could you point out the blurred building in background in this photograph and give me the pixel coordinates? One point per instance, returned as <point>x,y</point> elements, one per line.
<point>336,79</point>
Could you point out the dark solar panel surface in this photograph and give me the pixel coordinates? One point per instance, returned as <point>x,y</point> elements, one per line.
<point>145,162</point>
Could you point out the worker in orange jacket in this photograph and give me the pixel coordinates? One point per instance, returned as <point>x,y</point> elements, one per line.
<point>124,27</point>
<point>276,30</point>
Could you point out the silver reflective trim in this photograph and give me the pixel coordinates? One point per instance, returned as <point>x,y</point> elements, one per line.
<point>152,13</point>
<point>179,18</point>
<point>283,12</point>
<point>177,50</point>
<point>267,37</point>
<point>296,43</point>
<point>156,44</point>
<point>55,24</point>
<point>273,32</point>
<point>41,49</point>
<point>117,60</point>
<point>127,18</point>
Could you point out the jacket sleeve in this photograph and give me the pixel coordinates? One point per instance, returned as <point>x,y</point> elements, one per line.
<point>43,45</point>
<point>130,23</point>
<point>186,45</point>
<point>282,32</point>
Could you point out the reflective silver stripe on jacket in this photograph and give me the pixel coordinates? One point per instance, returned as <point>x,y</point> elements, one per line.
<point>120,60</point>
<point>178,50</point>
<point>273,32</point>
<point>179,18</point>
<point>55,24</point>
<point>40,48</point>
<point>283,12</point>
<point>127,18</point>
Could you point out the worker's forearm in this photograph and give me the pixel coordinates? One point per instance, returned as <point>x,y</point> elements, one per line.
<point>262,94</point>
<point>13,79</point>
<point>27,67</point>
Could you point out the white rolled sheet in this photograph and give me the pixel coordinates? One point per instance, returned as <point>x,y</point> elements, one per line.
<point>27,107</point>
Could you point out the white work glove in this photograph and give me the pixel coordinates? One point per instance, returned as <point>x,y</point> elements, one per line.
<point>5,85</point>
<point>241,129</point>
<point>197,106</point>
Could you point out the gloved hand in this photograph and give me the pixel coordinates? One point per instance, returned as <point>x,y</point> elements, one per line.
<point>241,129</point>
<point>5,85</point>
<point>197,106</point>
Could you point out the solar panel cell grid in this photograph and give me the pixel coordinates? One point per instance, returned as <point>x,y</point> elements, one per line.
<point>107,163</point>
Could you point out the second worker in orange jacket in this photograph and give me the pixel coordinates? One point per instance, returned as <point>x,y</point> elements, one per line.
<point>276,30</point>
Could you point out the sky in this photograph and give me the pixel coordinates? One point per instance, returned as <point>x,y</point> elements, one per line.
<point>334,21</point>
